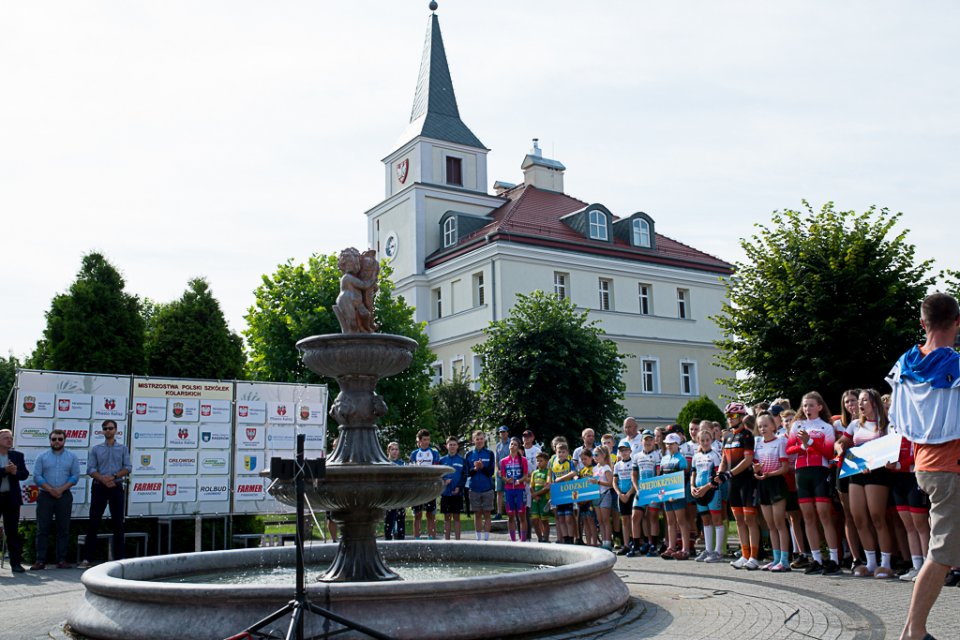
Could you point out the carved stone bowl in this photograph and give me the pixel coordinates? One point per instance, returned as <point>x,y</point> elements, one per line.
<point>358,354</point>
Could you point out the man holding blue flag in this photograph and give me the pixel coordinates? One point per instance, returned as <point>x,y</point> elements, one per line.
<point>925,407</point>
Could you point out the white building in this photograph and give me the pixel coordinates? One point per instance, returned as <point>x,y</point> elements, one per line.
<point>461,255</point>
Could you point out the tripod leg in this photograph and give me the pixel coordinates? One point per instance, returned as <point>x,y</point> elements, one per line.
<point>295,630</point>
<point>276,615</point>
<point>330,615</point>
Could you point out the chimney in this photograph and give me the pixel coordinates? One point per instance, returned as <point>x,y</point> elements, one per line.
<point>541,172</point>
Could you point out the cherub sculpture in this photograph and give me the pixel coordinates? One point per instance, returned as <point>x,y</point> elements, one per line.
<point>358,290</point>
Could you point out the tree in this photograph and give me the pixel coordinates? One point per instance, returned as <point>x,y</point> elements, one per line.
<point>189,337</point>
<point>8,378</point>
<point>549,369</point>
<point>94,328</point>
<point>297,302</point>
<point>456,406</point>
<point>821,301</point>
<point>702,408</point>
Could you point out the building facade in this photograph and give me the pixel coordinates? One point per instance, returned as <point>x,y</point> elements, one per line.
<point>460,255</point>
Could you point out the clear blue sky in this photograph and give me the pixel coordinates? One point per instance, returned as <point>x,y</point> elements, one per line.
<point>221,138</point>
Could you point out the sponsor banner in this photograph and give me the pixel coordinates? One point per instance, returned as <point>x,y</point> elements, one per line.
<point>96,432</point>
<point>250,436</point>
<point>214,436</point>
<point>196,389</point>
<point>74,405</point>
<point>110,406</point>
<point>182,435</point>
<point>77,432</point>
<point>150,409</point>
<point>249,463</point>
<point>148,462</point>
<point>183,409</point>
<point>30,455</point>
<point>316,438</point>
<point>580,490</point>
<point>214,462</point>
<point>247,489</point>
<point>148,435</point>
<point>871,455</point>
<point>146,490</point>
<point>29,493</point>
<point>282,439</point>
<point>181,463</point>
<point>35,404</point>
<point>214,410</point>
<point>312,413</point>
<point>665,488</point>
<point>251,412</point>
<point>213,489</point>
<point>79,491</point>
<point>281,413</point>
<point>180,490</point>
<point>33,432</point>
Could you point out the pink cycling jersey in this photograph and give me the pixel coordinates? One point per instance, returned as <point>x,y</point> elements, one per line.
<point>770,455</point>
<point>820,450</point>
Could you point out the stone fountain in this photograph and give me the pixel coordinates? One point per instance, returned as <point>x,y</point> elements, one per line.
<point>145,599</point>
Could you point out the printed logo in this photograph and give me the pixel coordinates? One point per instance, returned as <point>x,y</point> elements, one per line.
<point>249,463</point>
<point>183,434</point>
<point>250,488</point>
<point>251,433</point>
<point>29,404</point>
<point>141,408</point>
<point>205,436</point>
<point>205,410</point>
<point>403,168</point>
<point>63,405</point>
<point>304,412</point>
<point>171,489</point>
<point>145,460</point>
<point>178,410</point>
<point>243,411</point>
<point>147,486</point>
<point>109,404</point>
<point>281,409</point>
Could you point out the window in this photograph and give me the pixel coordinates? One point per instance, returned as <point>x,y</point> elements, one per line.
<point>683,303</point>
<point>454,171</point>
<point>688,378</point>
<point>560,285</point>
<point>641,233</point>
<point>604,291</point>
<point>457,367</point>
<point>475,374</point>
<point>598,225</point>
<point>437,373</point>
<point>644,292</point>
<point>449,232</point>
<point>648,376</point>
<point>437,300</point>
<point>479,295</point>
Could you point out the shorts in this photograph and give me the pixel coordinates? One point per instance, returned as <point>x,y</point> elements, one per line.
<point>606,499</point>
<point>843,484</point>
<point>743,493</point>
<point>429,507</point>
<point>540,507</point>
<point>772,490</point>
<point>515,500</point>
<point>943,487</point>
<point>813,484</point>
<point>879,476</point>
<point>715,504</point>
<point>564,510</point>
<point>793,503</point>
<point>481,500</point>
<point>625,507</point>
<point>676,505</point>
<point>907,494</point>
<point>451,504</point>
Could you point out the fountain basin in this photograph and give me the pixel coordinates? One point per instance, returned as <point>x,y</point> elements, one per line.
<point>121,601</point>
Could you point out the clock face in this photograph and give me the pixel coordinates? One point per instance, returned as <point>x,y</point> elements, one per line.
<point>391,246</point>
<point>403,168</point>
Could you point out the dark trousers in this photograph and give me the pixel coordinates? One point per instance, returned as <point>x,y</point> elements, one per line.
<point>48,509</point>
<point>395,524</point>
<point>100,496</point>
<point>11,526</point>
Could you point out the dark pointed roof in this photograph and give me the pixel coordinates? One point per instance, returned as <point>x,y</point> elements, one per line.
<point>435,113</point>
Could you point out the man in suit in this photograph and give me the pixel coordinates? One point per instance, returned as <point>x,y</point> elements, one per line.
<point>13,469</point>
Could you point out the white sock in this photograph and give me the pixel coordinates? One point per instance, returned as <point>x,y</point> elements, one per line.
<point>708,538</point>
<point>917,562</point>
<point>793,536</point>
<point>835,555</point>
<point>719,535</point>
<point>885,560</point>
<point>486,536</point>
<point>817,556</point>
<point>871,560</point>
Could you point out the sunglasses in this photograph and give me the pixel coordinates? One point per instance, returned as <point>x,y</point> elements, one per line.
<point>57,439</point>
<point>734,415</point>
<point>109,428</point>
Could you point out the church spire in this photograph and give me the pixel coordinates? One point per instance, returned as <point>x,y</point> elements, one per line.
<point>435,113</point>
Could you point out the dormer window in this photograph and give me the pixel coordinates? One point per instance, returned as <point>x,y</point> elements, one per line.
<point>598,225</point>
<point>450,232</point>
<point>641,233</point>
<point>454,171</point>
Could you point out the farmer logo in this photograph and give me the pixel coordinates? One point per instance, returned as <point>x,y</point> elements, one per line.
<point>145,460</point>
<point>304,412</point>
<point>205,436</point>
<point>243,411</point>
<point>109,404</point>
<point>251,433</point>
<point>63,405</point>
<point>29,404</point>
<point>250,488</point>
<point>178,410</point>
<point>206,410</point>
<point>183,433</point>
<point>171,489</point>
<point>281,409</point>
<point>249,463</point>
<point>141,408</point>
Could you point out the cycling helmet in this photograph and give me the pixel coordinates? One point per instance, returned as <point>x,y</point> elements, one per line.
<point>736,407</point>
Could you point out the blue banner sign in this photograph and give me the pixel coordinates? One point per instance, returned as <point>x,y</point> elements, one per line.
<point>582,490</point>
<point>871,455</point>
<point>661,488</point>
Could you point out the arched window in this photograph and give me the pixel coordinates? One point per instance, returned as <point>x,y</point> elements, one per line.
<point>598,225</point>
<point>449,232</point>
<point>641,233</point>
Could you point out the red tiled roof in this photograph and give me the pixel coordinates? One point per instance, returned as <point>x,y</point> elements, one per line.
<point>532,216</point>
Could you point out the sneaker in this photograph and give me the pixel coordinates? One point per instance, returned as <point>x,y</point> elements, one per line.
<point>830,568</point>
<point>738,563</point>
<point>952,579</point>
<point>17,568</point>
<point>633,553</point>
<point>751,564</point>
<point>84,565</point>
<point>625,551</point>
<point>646,548</point>
<point>814,568</point>
<point>38,566</point>
<point>703,556</point>
<point>714,558</point>
<point>767,566</point>
<point>910,576</point>
<point>801,562</point>
<point>780,568</point>
<point>64,565</point>
<point>652,553</point>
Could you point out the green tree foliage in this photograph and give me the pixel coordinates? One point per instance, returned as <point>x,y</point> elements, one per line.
<point>820,301</point>
<point>8,378</point>
<point>702,408</point>
<point>549,369</point>
<point>456,406</point>
<point>189,337</point>
<point>96,327</point>
<point>297,301</point>
<point>952,283</point>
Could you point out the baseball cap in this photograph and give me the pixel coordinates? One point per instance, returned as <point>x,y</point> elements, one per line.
<point>776,410</point>
<point>646,433</point>
<point>624,444</point>
<point>672,438</point>
<point>503,428</point>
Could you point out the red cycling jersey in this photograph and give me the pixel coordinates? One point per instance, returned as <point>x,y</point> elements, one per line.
<point>820,451</point>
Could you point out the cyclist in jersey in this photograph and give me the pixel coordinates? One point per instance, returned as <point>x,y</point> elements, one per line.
<point>514,471</point>
<point>646,518</point>
<point>623,486</point>
<point>560,471</point>
<point>737,460</point>
<point>540,497</point>
<point>706,463</point>
<point>849,409</point>
<point>603,474</point>
<point>425,455</point>
<point>770,464</point>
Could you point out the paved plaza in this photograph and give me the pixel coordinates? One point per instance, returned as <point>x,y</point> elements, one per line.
<point>674,600</point>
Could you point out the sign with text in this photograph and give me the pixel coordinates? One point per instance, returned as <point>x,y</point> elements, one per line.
<point>579,490</point>
<point>663,488</point>
<point>871,455</point>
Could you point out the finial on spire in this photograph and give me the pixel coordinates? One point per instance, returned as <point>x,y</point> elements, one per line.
<point>433,5</point>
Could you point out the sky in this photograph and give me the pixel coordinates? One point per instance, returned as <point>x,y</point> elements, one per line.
<point>222,138</point>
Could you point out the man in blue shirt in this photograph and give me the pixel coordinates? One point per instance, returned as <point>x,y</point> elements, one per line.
<point>425,455</point>
<point>480,466</point>
<point>451,500</point>
<point>54,472</point>
<point>108,464</point>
